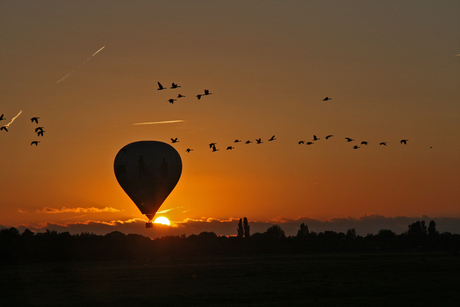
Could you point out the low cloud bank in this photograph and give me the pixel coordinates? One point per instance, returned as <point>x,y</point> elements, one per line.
<point>369,224</point>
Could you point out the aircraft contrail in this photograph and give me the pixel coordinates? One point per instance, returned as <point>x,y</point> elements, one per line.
<point>68,75</point>
<point>160,122</point>
<point>12,120</point>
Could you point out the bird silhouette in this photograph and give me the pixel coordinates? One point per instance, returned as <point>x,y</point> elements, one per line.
<point>172,100</point>
<point>330,135</point>
<point>248,142</point>
<point>175,85</point>
<point>211,145</point>
<point>40,133</point>
<point>206,92</point>
<point>237,141</point>
<point>230,147</point>
<point>259,141</point>
<point>315,138</point>
<point>188,150</point>
<point>34,119</point>
<point>1,117</point>
<point>199,96</point>
<point>356,147</point>
<point>349,139</point>
<point>174,140</point>
<point>214,148</point>
<point>383,143</point>
<point>161,87</point>
<point>272,138</point>
<point>404,142</point>
<point>364,142</point>
<point>309,143</point>
<point>35,143</point>
<point>39,129</point>
<point>180,96</point>
<point>326,99</point>
<point>4,128</point>
<point>301,142</point>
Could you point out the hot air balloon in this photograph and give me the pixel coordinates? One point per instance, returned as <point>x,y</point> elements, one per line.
<point>148,171</point>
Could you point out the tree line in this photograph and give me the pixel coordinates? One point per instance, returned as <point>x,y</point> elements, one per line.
<point>51,246</point>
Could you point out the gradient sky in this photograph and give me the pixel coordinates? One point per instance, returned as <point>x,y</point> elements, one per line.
<point>390,67</point>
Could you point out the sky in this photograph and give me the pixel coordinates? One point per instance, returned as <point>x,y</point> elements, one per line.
<point>89,71</point>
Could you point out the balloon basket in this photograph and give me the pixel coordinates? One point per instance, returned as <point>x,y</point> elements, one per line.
<point>149,224</point>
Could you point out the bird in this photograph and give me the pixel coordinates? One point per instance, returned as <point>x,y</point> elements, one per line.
<point>383,143</point>
<point>38,129</point>
<point>315,138</point>
<point>175,85</point>
<point>330,135</point>
<point>188,150</point>
<point>34,119</point>
<point>248,142</point>
<point>199,96</point>
<point>364,143</point>
<point>404,142</point>
<point>40,133</point>
<point>230,147</point>
<point>161,87</point>
<point>214,148</point>
<point>4,128</point>
<point>301,142</point>
<point>35,143</point>
<point>172,100</point>
<point>206,92</point>
<point>259,141</point>
<point>211,145</point>
<point>356,147</point>
<point>326,99</point>
<point>174,140</point>
<point>180,96</point>
<point>309,143</point>
<point>349,139</point>
<point>272,138</point>
<point>1,117</point>
<point>237,141</point>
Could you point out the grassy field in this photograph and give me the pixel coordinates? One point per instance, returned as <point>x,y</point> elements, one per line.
<point>408,279</point>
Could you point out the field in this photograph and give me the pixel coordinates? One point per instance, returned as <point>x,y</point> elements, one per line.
<point>409,279</point>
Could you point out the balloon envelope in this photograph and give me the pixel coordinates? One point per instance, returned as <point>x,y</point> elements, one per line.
<point>148,171</point>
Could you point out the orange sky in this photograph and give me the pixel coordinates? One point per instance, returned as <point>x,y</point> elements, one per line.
<point>390,67</point>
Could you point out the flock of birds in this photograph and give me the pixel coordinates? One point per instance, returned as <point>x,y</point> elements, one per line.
<point>38,130</point>
<point>214,148</point>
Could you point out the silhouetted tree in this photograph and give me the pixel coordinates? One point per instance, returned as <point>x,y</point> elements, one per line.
<point>417,229</point>
<point>246,228</point>
<point>432,229</point>
<point>275,232</point>
<point>303,231</point>
<point>351,234</point>
<point>240,229</point>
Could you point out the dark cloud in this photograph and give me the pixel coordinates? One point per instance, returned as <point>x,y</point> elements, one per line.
<point>369,224</point>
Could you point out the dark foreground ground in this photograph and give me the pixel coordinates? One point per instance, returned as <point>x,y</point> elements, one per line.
<point>409,279</point>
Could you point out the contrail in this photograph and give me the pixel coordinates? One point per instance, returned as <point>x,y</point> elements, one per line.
<point>160,122</point>
<point>12,120</point>
<point>68,75</point>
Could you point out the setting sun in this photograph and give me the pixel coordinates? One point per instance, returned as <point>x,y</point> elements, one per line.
<point>162,220</point>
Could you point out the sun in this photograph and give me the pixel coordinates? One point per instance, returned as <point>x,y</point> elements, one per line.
<point>162,220</point>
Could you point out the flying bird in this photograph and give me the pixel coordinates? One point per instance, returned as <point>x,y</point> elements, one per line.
<point>1,117</point>
<point>272,138</point>
<point>326,99</point>
<point>199,96</point>
<point>34,119</point>
<point>35,143</point>
<point>4,128</point>
<point>172,100</point>
<point>40,133</point>
<point>330,135</point>
<point>180,96</point>
<point>39,129</point>
<point>259,141</point>
<point>315,138</point>
<point>214,148</point>
<point>174,140</point>
<point>161,87</point>
<point>356,147</point>
<point>301,142</point>
<point>364,142</point>
<point>206,92</point>
<point>237,141</point>
<point>349,139</point>
<point>211,145</point>
<point>175,85</point>
<point>383,143</point>
<point>230,147</point>
<point>309,143</point>
<point>188,150</point>
<point>248,142</point>
<point>404,142</point>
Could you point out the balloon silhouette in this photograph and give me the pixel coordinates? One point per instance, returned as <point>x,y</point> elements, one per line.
<point>148,171</point>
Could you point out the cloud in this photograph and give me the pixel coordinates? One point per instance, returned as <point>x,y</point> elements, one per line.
<point>368,224</point>
<point>161,122</point>
<point>77,210</point>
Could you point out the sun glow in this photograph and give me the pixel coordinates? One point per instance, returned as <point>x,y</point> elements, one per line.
<point>162,220</point>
